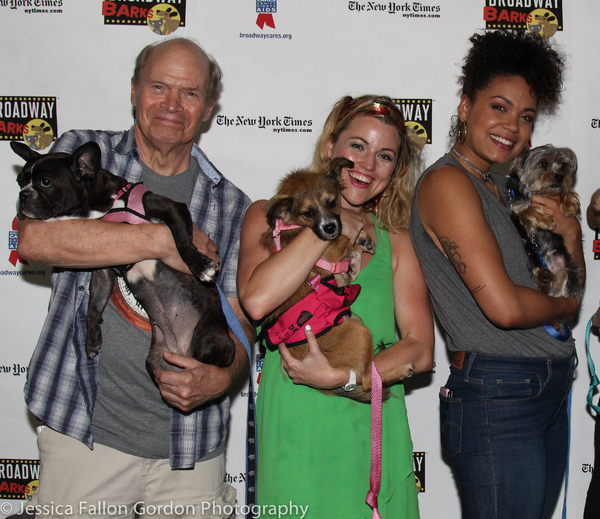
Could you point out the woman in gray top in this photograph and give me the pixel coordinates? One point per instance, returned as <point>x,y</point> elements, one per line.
<point>503,410</point>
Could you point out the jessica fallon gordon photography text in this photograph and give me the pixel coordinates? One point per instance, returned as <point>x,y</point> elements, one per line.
<point>102,508</point>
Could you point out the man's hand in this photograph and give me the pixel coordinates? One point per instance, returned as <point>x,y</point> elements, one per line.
<point>205,245</point>
<point>197,384</point>
<point>202,242</point>
<point>200,383</point>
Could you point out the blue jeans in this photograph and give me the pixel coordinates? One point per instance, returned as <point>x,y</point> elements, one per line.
<point>505,428</point>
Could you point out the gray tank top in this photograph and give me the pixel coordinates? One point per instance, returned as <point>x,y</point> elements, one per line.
<point>465,325</point>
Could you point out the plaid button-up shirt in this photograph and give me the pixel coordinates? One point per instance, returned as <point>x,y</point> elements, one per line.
<point>61,383</point>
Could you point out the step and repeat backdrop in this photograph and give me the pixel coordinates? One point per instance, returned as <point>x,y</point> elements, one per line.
<point>67,64</point>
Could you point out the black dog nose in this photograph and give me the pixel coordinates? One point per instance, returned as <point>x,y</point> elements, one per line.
<point>330,228</point>
<point>24,195</point>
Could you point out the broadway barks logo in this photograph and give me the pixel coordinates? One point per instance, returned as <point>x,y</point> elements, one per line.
<point>543,17</point>
<point>418,119</point>
<point>265,10</point>
<point>419,469</point>
<point>18,478</point>
<point>30,119</point>
<point>164,18</point>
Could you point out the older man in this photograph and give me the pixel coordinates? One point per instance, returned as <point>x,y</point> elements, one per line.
<point>114,438</point>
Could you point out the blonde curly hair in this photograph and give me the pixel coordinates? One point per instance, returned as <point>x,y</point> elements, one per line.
<point>392,207</point>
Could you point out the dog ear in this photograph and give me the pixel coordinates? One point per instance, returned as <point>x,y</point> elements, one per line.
<point>86,161</point>
<point>277,208</point>
<point>336,165</point>
<point>517,163</point>
<point>24,151</point>
<point>571,158</point>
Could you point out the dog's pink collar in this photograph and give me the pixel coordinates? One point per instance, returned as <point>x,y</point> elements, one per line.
<point>123,190</point>
<point>339,267</point>
<point>280,225</point>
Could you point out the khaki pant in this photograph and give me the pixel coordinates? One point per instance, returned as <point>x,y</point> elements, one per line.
<point>107,484</point>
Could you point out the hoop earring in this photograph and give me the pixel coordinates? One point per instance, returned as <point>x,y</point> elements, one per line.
<point>462,132</point>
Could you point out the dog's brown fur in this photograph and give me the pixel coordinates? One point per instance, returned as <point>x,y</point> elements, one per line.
<point>311,199</point>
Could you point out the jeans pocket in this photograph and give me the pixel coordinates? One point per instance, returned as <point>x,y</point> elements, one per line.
<point>451,416</point>
<point>514,388</point>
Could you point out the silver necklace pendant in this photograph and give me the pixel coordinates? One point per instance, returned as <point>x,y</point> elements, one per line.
<point>485,176</point>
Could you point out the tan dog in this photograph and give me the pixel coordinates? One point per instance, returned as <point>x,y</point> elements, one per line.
<point>311,199</point>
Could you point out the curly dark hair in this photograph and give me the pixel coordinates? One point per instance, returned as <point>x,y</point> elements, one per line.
<point>504,53</point>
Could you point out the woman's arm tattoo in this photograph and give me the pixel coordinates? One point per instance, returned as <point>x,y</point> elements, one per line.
<point>451,250</point>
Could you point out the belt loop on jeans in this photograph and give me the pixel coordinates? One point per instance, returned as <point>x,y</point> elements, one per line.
<point>459,362</point>
<point>459,358</point>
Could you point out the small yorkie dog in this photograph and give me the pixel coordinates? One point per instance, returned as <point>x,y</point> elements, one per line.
<point>549,171</point>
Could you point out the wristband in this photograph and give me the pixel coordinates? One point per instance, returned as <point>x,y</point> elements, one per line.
<point>351,385</point>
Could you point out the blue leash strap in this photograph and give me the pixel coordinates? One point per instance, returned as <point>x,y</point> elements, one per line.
<point>594,382</point>
<point>237,329</point>
<point>562,337</point>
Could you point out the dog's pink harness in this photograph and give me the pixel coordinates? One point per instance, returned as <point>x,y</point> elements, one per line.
<point>325,307</point>
<point>133,210</point>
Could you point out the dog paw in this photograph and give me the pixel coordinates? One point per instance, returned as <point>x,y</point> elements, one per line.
<point>203,268</point>
<point>92,350</point>
<point>355,259</point>
<point>365,242</point>
<point>209,273</point>
<point>407,371</point>
<point>93,343</point>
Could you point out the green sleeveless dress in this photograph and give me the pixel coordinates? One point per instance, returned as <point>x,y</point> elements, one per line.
<point>315,450</point>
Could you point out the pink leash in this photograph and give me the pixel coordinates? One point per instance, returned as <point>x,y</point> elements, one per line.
<point>376,405</point>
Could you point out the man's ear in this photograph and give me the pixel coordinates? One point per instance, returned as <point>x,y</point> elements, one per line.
<point>132,94</point>
<point>208,112</point>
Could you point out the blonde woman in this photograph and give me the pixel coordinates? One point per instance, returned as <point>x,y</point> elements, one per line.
<point>314,450</point>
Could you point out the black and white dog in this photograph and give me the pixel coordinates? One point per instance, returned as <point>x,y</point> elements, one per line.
<point>185,313</point>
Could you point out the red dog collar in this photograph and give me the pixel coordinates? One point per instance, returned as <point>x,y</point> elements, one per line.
<point>325,307</point>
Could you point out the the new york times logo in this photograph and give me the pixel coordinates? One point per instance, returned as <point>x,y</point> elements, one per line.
<point>418,118</point>
<point>543,17</point>
<point>278,124</point>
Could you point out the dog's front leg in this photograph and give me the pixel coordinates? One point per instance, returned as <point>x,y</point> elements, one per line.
<point>101,287</point>
<point>534,218</point>
<point>177,217</point>
<point>364,243</point>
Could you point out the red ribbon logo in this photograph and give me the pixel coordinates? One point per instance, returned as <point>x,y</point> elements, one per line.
<point>265,19</point>
<point>14,257</point>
